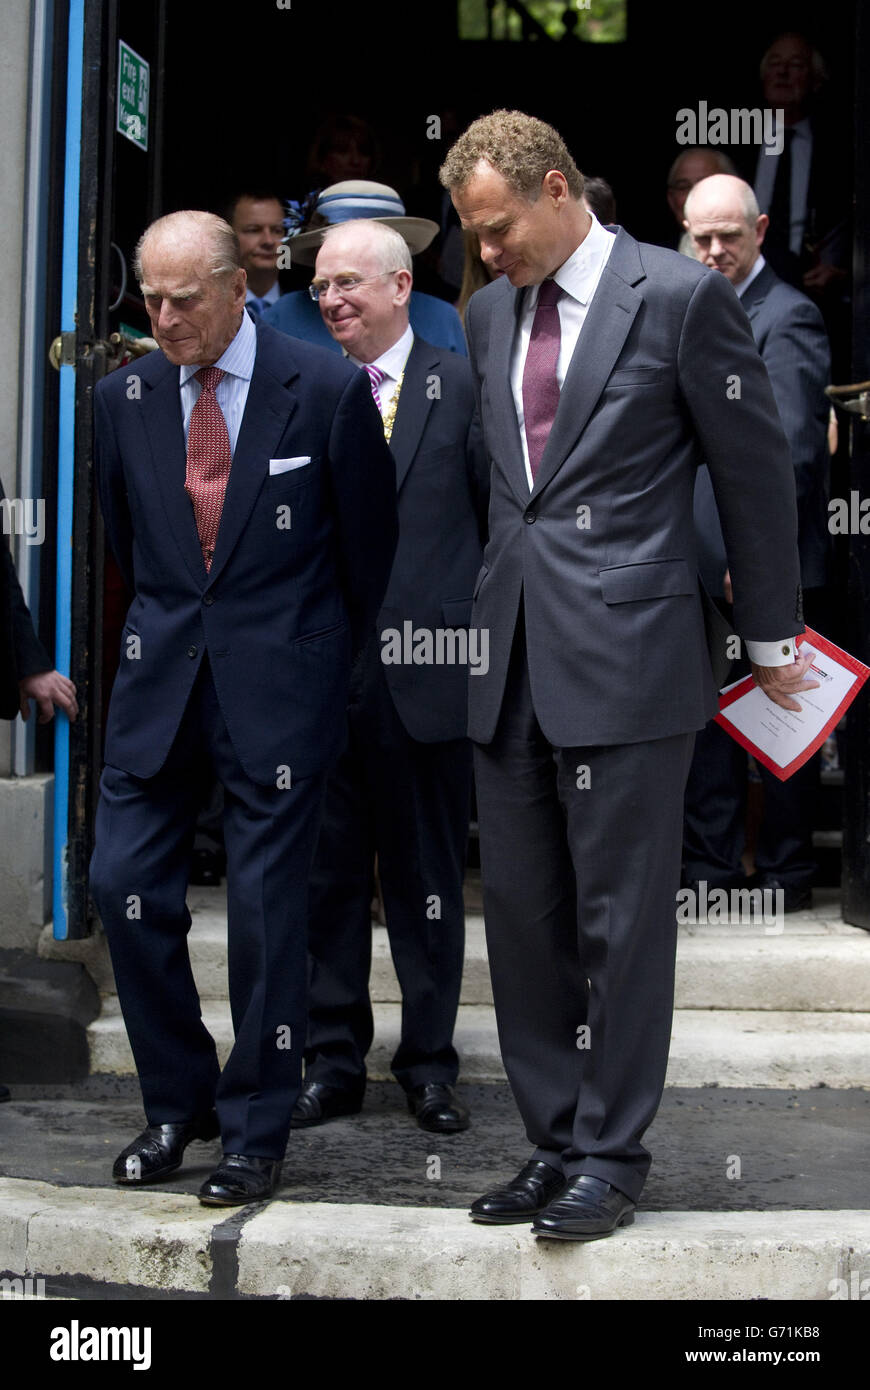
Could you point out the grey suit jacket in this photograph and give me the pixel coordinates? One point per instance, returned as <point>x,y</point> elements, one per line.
<point>603,551</point>
<point>791,338</point>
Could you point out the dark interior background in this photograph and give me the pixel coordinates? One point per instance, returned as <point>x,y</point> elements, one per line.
<point>243,98</point>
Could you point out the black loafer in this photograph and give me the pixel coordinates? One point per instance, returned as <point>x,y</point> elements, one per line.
<point>529,1192</point>
<point>5,1093</point>
<point>159,1149</point>
<point>795,897</point>
<point>588,1209</point>
<point>318,1102</point>
<point>239,1179</point>
<point>437,1109</point>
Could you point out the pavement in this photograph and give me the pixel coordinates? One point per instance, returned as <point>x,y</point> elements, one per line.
<point>783,1149</point>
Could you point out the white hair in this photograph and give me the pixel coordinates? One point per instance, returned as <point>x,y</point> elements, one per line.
<point>223,255</point>
<point>390,247</point>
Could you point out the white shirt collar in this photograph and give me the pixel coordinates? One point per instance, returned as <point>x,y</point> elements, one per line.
<point>580,274</point>
<point>392,361</point>
<point>748,279</point>
<point>237,358</point>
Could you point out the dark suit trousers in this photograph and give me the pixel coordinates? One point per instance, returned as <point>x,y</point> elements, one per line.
<point>139,872</point>
<point>409,803</point>
<point>579,889</point>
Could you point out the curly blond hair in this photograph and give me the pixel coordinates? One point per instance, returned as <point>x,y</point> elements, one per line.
<point>519,147</point>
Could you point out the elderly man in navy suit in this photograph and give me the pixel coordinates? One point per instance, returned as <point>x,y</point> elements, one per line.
<point>727,230</point>
<point>402,788</point>
<point>602,370</point>
<point>249,499</point>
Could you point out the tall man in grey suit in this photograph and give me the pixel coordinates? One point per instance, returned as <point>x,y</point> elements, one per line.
<point>403,785</point>
<point>727,230</point>
<point>602,368</point>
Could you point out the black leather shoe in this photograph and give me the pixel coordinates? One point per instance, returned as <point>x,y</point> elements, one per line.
<point>5,1093</point>
<point>318,1103</point>
<point>529,1192</point>
<point>588,1209</point>
<point>239,1179</point>
<point>795,898</point>
<point>160,1148</point>
<point>437,1109</point>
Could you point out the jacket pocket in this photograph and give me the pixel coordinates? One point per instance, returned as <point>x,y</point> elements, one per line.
<point>649,579</point>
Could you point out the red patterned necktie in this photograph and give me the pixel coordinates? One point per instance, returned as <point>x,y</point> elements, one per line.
<point>540,385</point>
<point>208,461</point>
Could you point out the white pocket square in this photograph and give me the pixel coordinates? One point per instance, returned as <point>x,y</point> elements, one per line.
<point>286,465</point>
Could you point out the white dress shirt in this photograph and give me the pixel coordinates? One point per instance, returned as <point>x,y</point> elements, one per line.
<point>392,364</point>
<point>237,362</point>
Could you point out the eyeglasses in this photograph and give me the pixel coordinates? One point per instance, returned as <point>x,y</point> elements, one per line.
<point>344,284</point>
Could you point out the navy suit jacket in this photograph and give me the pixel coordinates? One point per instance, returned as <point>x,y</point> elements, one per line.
<point>603,550</point>
<point>442,476</point>
<point>299,570</point>
<point>791,338</point>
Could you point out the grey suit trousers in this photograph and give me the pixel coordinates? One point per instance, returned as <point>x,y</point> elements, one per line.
<point>580,915</point>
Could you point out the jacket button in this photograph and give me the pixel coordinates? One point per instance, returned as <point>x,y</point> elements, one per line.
<point>530,517</point>
<point>208,600</point>
<point>191,652</point>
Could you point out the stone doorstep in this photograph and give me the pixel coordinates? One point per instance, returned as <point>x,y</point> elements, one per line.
<point>742,1048</point>
<point>155,1243</point>
<point>817,962</point>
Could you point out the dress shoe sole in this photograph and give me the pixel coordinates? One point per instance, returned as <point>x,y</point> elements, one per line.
<point>152,1177</point>
<point>521,1219</point>
<point>448,1127</point>
<point>234,1201</point>
<point>325,1119</point>
<point>626,1220</point>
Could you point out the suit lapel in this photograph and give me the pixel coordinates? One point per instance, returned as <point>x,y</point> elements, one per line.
<point>161,413</point>
<point>608,320</point>
<point>502,333</point>
<point>757,292</point>
<point>413,408</point>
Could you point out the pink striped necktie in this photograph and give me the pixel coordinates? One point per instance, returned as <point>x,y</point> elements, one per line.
<point>376,377</point>
<point>540,384</point>
<point>208,461</point>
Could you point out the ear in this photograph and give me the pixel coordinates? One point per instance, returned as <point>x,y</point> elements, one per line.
<point>761,227</point>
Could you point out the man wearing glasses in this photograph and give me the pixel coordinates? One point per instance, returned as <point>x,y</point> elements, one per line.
<point>402,787</point>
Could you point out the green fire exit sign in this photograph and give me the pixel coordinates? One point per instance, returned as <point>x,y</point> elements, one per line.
<point>133,83</point>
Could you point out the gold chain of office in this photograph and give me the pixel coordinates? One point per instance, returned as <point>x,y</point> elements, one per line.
<point>390,412</point>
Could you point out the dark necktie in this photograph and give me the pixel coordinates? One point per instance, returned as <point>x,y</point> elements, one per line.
<point>208,461</point>
<point>780,202</point>
<point>540,384</point>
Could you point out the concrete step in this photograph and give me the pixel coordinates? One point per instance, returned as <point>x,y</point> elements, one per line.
<point>810,960</point>
<point>95,1242</point>
<point>710,1047</point>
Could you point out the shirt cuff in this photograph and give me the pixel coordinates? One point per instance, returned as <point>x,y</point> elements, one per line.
<point>772,653</point>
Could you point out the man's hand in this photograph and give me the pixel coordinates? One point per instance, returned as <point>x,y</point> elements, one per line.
<point>48,688</point>
<point>779,683</point>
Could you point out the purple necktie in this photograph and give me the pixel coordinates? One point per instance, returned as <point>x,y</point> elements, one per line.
<point>540,386</point>
<point>376,376</point>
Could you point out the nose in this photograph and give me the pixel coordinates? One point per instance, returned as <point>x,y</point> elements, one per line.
<point>168,316</point>
<point>488,253</point>
<point>716,247</point>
